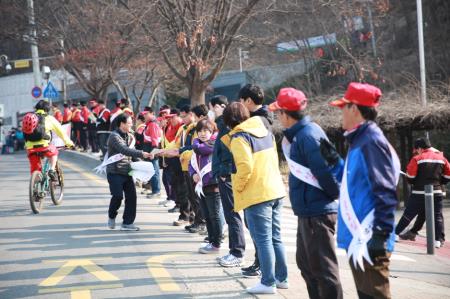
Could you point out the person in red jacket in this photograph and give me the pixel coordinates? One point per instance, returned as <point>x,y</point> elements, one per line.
<point>152,136</point>
<point>57,113</point>
<point>76,123</point>
<point>84,123</point>
<point>428,167</point>
<point>67,116</point>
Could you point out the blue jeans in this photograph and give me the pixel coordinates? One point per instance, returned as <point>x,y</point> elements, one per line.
<point>264,224</point>
<point>154,181</point>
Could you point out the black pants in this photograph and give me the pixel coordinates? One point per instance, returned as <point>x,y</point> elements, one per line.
<point>210,205</point>
<point>373,282</point>
<point>316,256</point>
<point>93,141</point>
<point>103,141</point>
<point>181,192</point>
<point>416,207</point>
<point>83,136</point>
<point>236,238</point>
<point>118,185</point>
<point>194,201</point>
<point>167,183</point>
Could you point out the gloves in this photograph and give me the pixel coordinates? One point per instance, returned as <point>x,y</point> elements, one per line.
<point>377,245</point>
<point>328,152</point>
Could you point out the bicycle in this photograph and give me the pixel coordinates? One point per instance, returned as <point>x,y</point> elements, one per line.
<point>41,185</point>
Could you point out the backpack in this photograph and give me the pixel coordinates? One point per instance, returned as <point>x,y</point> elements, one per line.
<point>39,132</point>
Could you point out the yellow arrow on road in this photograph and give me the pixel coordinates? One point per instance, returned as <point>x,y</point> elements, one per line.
<point>71,265</point>
<point>81,292</point>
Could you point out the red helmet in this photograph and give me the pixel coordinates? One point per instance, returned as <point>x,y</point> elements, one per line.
<point>29,123</point>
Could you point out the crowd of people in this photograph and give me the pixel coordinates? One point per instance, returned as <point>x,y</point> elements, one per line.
<point>220,171</point>
<point>14,141</point>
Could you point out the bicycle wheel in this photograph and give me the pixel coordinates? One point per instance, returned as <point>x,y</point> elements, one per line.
<point>35,194</point>
<point>57,188</point>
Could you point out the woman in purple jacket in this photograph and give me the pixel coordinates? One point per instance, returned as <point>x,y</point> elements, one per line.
<point>206,185</point>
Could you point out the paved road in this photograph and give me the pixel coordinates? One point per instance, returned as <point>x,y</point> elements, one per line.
<point>67,252</point>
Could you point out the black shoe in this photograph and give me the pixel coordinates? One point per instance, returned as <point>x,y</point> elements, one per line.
<point>255,272</point>
<point>197,228</point>
<point>206,239</point>
<point>187,227</point>
<point>53,175</point>
<point>409,235</point>
<point>250,268</point>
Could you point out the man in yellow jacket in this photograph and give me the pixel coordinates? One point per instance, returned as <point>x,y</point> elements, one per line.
<point>258,189</point>
<point>37,128</point>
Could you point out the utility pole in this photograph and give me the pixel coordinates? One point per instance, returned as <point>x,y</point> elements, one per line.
<point>374,47</point>
<point>64,72</point>
<point>423,82</point>
<point>240,60</point>
<point>34,47</point>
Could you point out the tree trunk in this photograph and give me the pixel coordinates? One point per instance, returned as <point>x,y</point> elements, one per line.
<point>197,93</point>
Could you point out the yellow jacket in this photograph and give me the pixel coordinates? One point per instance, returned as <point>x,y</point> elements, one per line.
<point>51,124</point>
<point>180,141</point>
<point>257,178</point>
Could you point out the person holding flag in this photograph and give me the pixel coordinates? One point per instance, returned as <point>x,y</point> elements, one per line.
<point>368,196</point>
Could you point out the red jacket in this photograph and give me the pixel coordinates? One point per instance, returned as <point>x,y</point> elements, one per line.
<point>428,168</point>
<point>85,114</point>
<point>103,119</point>
<point>76,115</point>
<point>152,133</point>
<point>171,131</point>
<point>67,115</point>
<point>58,115</point>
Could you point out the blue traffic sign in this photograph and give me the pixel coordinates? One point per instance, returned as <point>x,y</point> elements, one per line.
<point>50,91</point>
<point>36,92</point>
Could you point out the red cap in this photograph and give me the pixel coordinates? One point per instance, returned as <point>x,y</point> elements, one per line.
<point>359,94</point>
<point>289,99</point>
<point>164,111</point>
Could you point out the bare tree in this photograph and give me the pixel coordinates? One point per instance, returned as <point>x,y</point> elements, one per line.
<point>195,37</point>
<point>97,41</point>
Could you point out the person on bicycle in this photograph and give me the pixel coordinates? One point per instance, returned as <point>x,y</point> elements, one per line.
<point>37,128</point>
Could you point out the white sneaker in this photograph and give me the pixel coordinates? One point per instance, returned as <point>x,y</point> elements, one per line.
<point>397,238</point>
<point>282,284</point>
<point>208,249</point>
<point>170,204</point>
<point>437,244</point>
<point>163,202</point>
<point>259,288</point>
<point>230,260</point>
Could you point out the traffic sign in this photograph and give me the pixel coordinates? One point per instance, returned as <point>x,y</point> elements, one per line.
<point>36,92</point>
<point>50,91</point>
